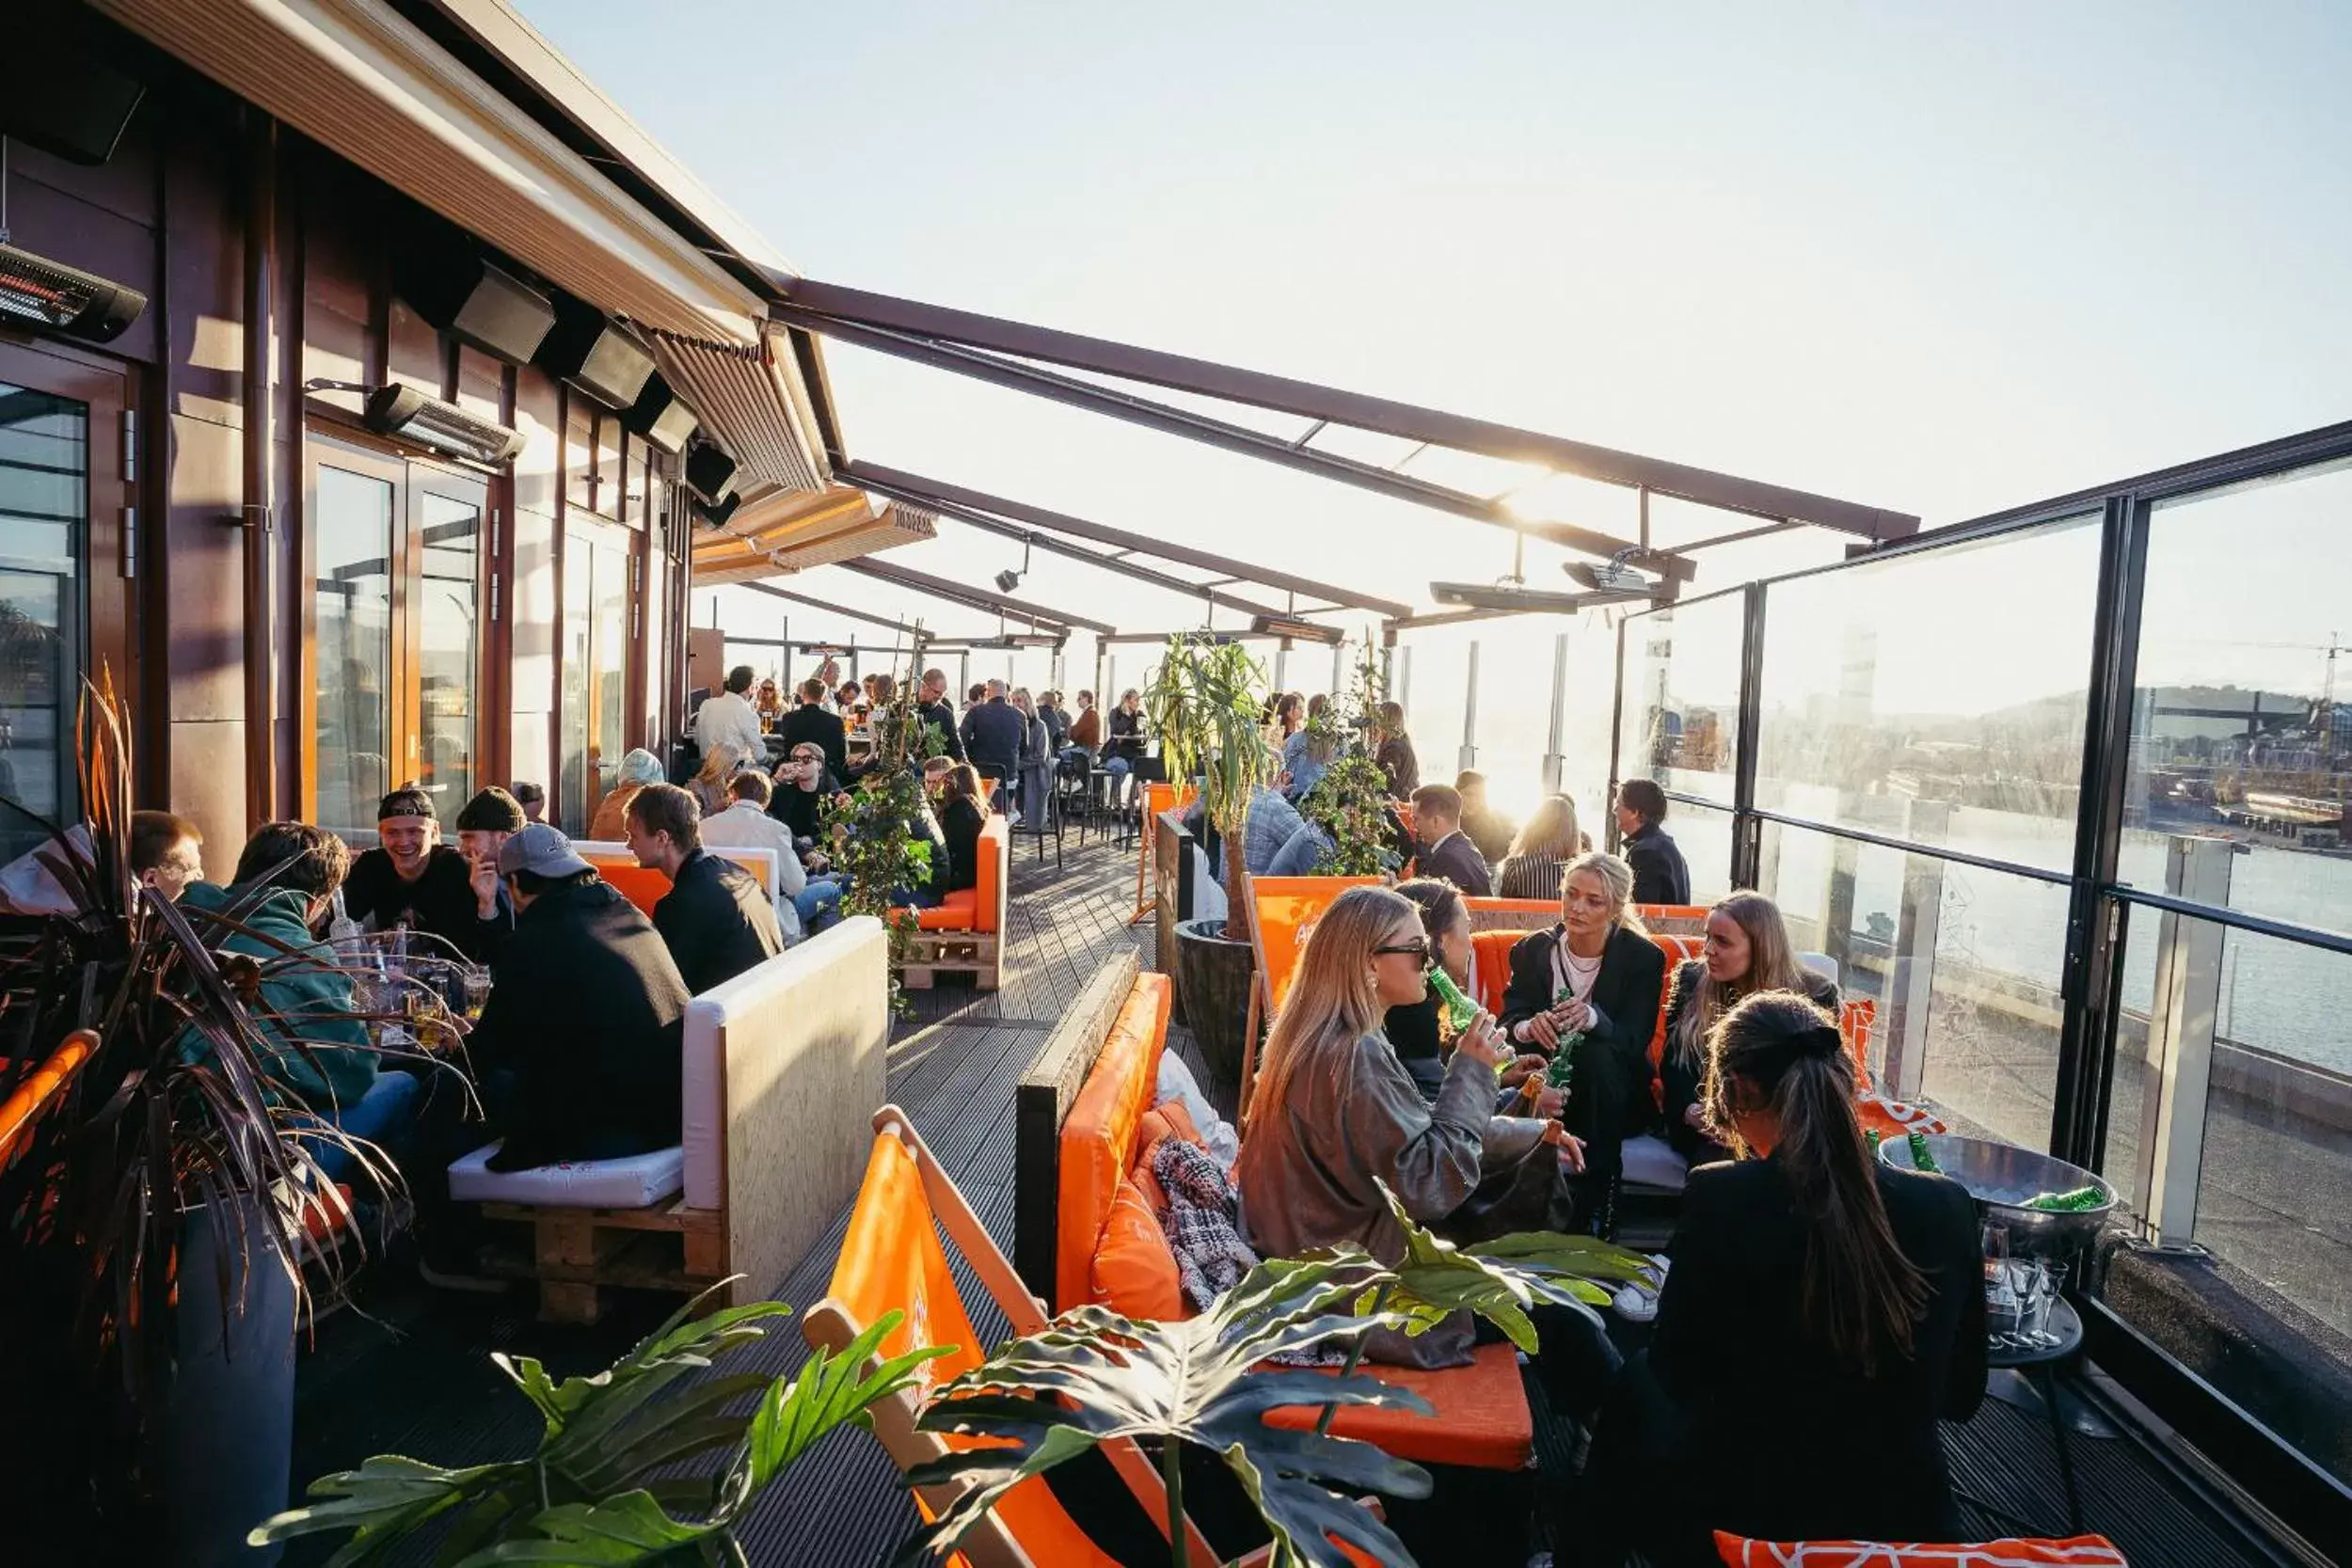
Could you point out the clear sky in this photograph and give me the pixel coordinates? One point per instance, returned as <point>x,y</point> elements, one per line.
<point>1943,258</point>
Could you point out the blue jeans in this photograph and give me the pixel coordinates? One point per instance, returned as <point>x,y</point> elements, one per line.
<point>383,1116</point>
<point>817,903</point>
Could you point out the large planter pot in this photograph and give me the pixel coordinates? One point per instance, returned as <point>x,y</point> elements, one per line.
<point>224,1438</point>
<point>1213,976</point>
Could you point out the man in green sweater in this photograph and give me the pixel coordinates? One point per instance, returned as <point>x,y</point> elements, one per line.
<point>281,896</point>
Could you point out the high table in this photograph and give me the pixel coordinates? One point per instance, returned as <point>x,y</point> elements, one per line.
<point>2062,1341</point>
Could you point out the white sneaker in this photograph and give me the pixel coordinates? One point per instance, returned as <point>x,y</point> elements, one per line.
<point>1636,1304</point>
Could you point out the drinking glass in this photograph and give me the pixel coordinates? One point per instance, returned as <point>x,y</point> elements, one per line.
<point>476,980</point>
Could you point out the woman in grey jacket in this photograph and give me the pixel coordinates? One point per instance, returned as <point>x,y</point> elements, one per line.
<point>1036,762</point>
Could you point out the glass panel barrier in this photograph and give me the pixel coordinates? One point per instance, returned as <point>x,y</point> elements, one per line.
<point>1433,691</point>
<point>1682,720</point>
<point>2230,1131</point>
<point>44,467</point>
<point>2241,724</point>
<point>1964,964</point>
<point>1939,697</point>
<point>1703,835</point>
<point>352,546</point>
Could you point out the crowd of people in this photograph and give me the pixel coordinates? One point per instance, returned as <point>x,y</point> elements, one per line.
<point>1820,1312</point>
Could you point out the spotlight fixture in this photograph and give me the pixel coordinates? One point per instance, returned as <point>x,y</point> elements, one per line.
<point>66,300</point>
<point>1609,576</point>
<point>591,352</point>
<point>1008,580</point>
<point>406,413</point>
<point>708,470</point>
<point>1296,630</point>
<point>1511,596</point>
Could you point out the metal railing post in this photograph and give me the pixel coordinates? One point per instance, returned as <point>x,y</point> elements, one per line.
<point>1911,982</point>
<point>2183,1019</point>
<point>1469,756</point>
<point>1555,763</point>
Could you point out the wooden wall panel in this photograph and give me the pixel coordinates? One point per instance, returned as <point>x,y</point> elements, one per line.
<point>207,786</point>
<point>481,380</point>
<point>56,221</point>
<point>579,437</point>
<point>413,351</point>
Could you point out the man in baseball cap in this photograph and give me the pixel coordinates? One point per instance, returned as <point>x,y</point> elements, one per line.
<point>579,1044</point>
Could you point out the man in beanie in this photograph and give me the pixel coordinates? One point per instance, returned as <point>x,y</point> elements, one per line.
<point>412,878</point>
<point>579,1046</point>
<point>483,829</point>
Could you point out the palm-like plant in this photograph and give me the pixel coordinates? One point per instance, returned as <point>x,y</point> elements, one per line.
<point>1350,802</point>
<point>171,1124</point>
<point>589,1495</point>
<point>1092,1376</point>
<point>1206,703</point>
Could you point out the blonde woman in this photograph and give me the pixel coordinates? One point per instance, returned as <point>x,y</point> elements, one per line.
<point>711,786</point>
<point>1748,951</point>
<point>1591,986</point>
<point>1543,848</point>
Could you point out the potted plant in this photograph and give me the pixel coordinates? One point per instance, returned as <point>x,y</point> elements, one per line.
<point>1349,804</point>
<point>872,829</point>
<point>1206,700</point>
<point>156,1205</point>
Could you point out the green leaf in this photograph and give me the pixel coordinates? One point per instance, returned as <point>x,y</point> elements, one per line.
<point>1500,1280</point>
<point>628,1528</point>
<point>383,1500</point>
<point>833,1388</point>
<point>1092,1375</point>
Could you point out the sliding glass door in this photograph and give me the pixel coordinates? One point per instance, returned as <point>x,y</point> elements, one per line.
<point>595,654</point>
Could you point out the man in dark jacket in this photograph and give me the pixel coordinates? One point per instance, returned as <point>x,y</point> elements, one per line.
<point>813,723</point>
<point>992,735</point>
<point>412,878</point>
<point>578,1045</point>
<point>715,919</point>
<point>1659,874</point>
<point>933,710</point>
<point>1445,850</point>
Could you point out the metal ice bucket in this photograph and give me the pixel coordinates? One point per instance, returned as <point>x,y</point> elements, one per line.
<point>2000,1176</point>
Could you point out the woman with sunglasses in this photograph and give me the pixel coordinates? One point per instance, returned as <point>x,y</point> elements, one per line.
<point>1591,986</point>
<point>1335,1115</point>
<point>1419,1032</point>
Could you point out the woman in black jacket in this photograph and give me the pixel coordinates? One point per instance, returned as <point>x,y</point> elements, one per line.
<point>1593,980</point>
<point>962,813</point>
<point>1823,1312</point>
<point>1748,950</point>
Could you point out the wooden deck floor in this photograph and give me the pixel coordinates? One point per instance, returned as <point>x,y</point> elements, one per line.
<point>414,1376</point>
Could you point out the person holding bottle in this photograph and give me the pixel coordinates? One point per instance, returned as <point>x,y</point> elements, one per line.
<point>1591,986</point>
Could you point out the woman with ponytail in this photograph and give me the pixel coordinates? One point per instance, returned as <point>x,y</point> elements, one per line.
<point>1822,1313</point>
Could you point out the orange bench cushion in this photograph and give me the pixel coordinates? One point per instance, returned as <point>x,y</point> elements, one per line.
<point>973,909</point>
<point>1099,1138</point>
<point>1134,1271</point>
<point>955,913</point>
<point>1480,1415</point>
<point>2080,1551</point>
<point>641,885</point>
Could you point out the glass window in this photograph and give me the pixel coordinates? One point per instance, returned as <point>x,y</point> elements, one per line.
<point>351,534</point>
<point>1682,721</point>
<point>595,644</point>
<point>1963,966</point>
<point>1703,833</point>
<point>1434,689</point>
<point>1939,697</point>
<point>2229,1125</point>
<point>578,572</point>
<point>450,632</point>
<point>2242,724</point>
<point>44,469</point>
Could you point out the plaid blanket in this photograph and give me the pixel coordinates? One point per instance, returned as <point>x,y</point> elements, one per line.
<point>1202,1222</point>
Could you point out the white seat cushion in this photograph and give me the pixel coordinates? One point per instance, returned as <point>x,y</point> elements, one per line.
<point>1652,1165</point>
<point>634,1182</point>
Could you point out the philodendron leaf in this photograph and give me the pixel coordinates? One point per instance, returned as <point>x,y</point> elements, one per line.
<point>628,1528</point>
<point>1500,1280</point>
<point>1092,1376</point>
<point>383,1500</point>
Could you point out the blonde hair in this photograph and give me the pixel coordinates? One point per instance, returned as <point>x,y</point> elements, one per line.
<point>1771,966</point>
<point>1335,1001</point>
<point>1551,831</point>
<point>1616,877</point>
<point>719,762</point>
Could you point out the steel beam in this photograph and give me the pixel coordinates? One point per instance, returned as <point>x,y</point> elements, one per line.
<point>866,615</point>
<point>979,599</point>
<point>957,500</point>
<point>983,366</point>
<point>808,298</point>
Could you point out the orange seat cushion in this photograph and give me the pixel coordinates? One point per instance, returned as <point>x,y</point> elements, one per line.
<point>988,893</point>
<point>1480,1415</point>
<point>1491,957</point>
<point>2080,1551</point>
<point>1134,1273</point>
<point>641,885</point>
<point>1100,1136</point>
<point>955,913</point>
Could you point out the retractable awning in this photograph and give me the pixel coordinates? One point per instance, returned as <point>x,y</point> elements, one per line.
<point>777,531</point>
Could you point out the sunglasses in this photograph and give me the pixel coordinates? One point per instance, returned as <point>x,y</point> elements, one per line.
<point>1419,949</point>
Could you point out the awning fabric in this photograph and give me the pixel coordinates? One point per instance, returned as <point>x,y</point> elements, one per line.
<point>745,398</point>
<point>778,533</point>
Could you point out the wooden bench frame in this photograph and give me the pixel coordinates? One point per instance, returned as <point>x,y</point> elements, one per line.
<point>927,955</point>
<point>779,1189</point>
